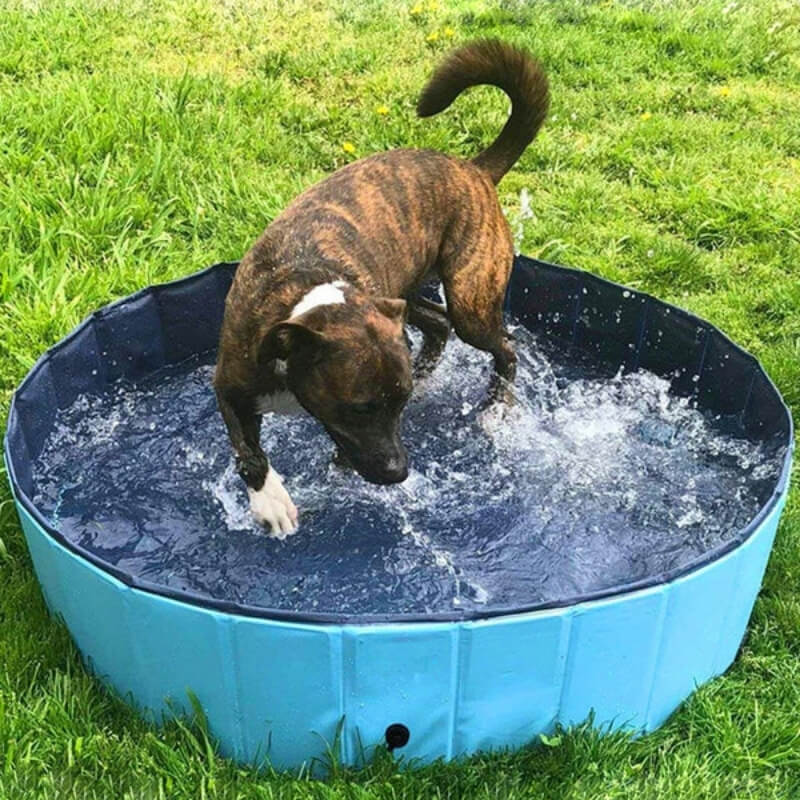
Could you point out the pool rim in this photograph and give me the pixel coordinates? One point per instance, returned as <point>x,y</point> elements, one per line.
<point>457,615</point>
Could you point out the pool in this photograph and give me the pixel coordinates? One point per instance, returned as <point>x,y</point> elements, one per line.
<point>393,617</point>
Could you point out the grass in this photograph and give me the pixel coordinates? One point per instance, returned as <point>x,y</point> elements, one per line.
<point>140,142</point>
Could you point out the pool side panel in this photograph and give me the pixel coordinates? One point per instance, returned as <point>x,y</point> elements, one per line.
<point>610,322</point>
<point>611,660</point>
<point>190,316</point>
<point>35,404</point>
<point>695,612</point>
<point>753,556</point>
<point>512,671</point>
<point>129,335</point>
<point>707,616</point>
<point>76,366</point>
<point>399,674</point>
<point>92,607</point>
<point>288,680</point>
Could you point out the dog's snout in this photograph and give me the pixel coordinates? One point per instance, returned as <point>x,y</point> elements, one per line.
<point>380,460</point>
<point>393,469</point>
<point>396,470</point>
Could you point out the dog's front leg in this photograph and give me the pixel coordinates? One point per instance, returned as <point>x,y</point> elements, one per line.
<point>269,501</point>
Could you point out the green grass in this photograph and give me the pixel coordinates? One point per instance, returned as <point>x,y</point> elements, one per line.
<point>143,141</point>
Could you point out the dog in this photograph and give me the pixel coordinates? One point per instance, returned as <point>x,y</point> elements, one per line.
<point>315,318</point>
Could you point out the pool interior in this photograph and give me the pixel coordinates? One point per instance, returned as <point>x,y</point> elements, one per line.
<point>596,477</point>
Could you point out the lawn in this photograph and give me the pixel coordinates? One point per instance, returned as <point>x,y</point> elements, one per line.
<point>142,141</point>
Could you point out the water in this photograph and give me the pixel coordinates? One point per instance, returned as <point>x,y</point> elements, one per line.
<point>592,480</point>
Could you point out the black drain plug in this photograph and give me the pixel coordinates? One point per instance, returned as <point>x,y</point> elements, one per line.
<point>397,735</point>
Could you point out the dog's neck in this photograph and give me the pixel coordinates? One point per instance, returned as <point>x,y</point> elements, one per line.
<point>281,400</point>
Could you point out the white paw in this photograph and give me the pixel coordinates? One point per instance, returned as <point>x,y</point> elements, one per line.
<point>271,505</point>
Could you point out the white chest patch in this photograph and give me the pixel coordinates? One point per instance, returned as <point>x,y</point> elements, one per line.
<point>325,294</point>
<point>282,402</point>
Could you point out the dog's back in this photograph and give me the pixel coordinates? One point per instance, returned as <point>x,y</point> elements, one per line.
<point>384,220</point>
<point>380,221</point>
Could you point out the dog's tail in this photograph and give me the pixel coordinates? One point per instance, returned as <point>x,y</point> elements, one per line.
<point>492,62</point>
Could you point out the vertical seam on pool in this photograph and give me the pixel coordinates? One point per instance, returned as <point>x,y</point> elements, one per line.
<point>338,668</point>
<point>666,596</point>
<point>8,461</point>
<point>155,294</point>
<point>102,368</point>
<point>641,333</point>
<point>702,365</point>
<point>48,601</point>
<point>55,613</point>
<point>743,414</point>
<point>577,312</point>
<point>127,612</point>
<point>455,674</point>
<point>231,672</point>
<point>350,731</point>
<point>566,650</point>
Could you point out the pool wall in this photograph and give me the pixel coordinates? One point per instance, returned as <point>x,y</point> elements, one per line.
<point>284,689</point>
<point>277,691</point>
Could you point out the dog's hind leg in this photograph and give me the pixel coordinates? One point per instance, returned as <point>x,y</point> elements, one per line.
<point>431,318</point>
<point>475,294</point>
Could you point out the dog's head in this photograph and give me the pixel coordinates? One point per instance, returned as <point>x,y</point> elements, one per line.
<point>348,364</point>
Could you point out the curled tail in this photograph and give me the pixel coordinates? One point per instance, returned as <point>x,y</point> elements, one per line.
<point>492,62</point>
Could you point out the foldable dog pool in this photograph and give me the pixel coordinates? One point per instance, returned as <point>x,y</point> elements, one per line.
<point>596,548</point>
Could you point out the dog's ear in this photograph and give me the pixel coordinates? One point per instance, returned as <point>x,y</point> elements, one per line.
<point>393,309</point>
<point>289,338</point>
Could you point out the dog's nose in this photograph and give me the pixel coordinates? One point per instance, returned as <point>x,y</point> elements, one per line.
<point>396,470</point>
<point>397,475</point>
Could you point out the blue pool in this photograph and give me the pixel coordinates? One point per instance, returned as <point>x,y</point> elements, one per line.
<point>597,547</point>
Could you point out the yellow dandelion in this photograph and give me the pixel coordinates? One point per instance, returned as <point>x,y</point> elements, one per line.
<point>433,36</point>
<point>382,110</point>
<point>416,10</point>
<point>348,147</point>
<point>646,116</point>
<point>449,32</point>
<point>433,5</point>
<point>724,91</point>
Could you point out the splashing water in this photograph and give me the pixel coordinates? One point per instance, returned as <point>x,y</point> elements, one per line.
<point>519,217</point>
<point>591,480</point>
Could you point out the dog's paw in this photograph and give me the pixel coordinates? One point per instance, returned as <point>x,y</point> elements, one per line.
<point>498,414</point>
<point>501,393</point>
<point>271,505</point>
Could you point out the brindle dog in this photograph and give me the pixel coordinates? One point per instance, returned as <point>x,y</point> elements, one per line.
<point>317,309</point>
